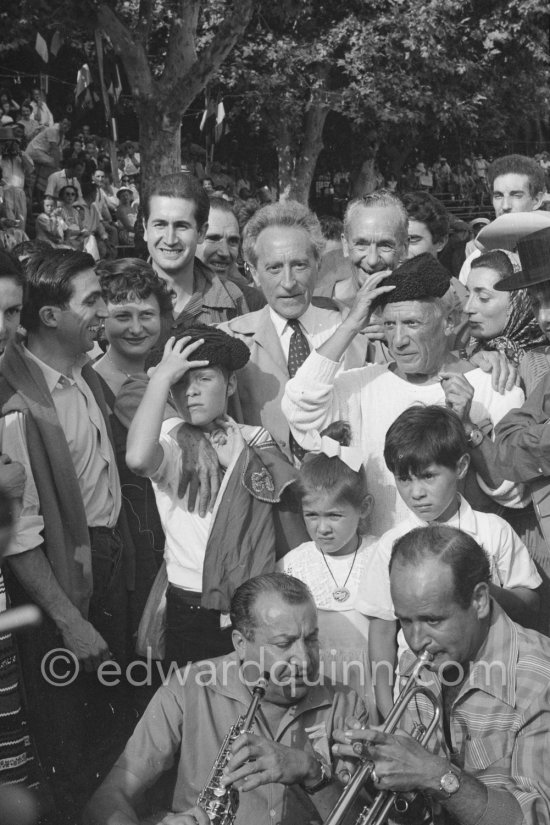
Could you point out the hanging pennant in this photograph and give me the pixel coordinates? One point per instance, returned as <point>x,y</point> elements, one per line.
<point>41,47</point>
<point>57,42</point>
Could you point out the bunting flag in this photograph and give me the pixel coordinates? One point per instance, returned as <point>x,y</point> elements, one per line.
<point>220,117</point>
<point>101,68</point>
<point>41,47</point>
<point>57,42</point>
<point>115,86</point>
<point>210,111</point>
<point>83,80</point>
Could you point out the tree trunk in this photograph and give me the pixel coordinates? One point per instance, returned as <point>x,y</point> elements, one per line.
<point>296,170</point>
<point>160,147</point>
<point>366,181</point>
<point>160,103</point>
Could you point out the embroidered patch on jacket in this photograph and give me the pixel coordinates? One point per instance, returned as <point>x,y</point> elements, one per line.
<point>262,482</point>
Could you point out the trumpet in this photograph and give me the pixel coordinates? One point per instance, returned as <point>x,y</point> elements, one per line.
<point>218,801</point>
<point>376,813</point>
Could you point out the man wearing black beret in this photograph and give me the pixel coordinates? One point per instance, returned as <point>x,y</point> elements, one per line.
<point>419,320</point>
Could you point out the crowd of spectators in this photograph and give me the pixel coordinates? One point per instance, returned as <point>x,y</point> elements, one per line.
<point>202,385</point>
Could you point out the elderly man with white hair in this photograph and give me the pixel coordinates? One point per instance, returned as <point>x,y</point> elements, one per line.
<point>418,319</point>
<point>282,245</point>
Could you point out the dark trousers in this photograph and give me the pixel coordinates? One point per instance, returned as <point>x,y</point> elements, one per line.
<point>192,632</point>
<point>80,727</point>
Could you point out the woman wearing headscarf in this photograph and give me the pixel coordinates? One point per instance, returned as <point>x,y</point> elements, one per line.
<point>504,321</point>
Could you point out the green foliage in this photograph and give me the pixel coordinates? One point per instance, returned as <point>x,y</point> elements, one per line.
<point>467,66</point>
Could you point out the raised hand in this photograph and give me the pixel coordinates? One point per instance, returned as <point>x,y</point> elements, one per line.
<point>176,359</point>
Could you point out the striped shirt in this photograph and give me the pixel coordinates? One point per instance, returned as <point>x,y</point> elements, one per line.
<point>500,720</point>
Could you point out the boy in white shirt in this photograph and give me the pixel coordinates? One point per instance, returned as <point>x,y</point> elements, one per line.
<point>208,557</point>
<point>427,452</point>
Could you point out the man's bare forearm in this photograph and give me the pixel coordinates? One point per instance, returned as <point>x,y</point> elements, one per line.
<point>34,571</point>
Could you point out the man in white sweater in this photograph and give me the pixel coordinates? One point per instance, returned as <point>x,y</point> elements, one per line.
<point>418,320</point>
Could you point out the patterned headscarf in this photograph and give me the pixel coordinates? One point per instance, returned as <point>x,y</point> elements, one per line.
<point>521,332</point>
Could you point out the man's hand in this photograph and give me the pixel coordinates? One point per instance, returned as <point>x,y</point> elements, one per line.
<point>227,440</point>
<point>400,762</point>
<point>504,374</point>
<point>82,639</point>
<point>360,312</point>
<point>374,332</point>
<point>459,394</point>
<point>257,761</point>
<point>194,816</point>
<point>200,469</point>
<point>12,476</point>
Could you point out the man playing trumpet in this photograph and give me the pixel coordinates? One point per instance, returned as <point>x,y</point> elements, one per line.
<point>488,762</point>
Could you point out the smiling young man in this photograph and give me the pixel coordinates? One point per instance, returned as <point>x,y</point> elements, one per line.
<point>175,212</point>
<point>67,553</point>
<point>486,762</point>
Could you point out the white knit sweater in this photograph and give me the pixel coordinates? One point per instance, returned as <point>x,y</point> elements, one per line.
<point>370,399</point>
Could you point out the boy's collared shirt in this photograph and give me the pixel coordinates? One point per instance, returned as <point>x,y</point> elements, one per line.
<point>511,564</point>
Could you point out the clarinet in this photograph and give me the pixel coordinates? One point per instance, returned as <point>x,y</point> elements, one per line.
<point>221,803</point>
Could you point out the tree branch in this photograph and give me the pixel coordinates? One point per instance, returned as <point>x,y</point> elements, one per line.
<point>145,19</point>
<point>183,89</point>
<point>132,53</point>
<point>181,44</point>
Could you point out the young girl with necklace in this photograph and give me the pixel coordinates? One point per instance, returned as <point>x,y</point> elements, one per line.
<point>335,505</point>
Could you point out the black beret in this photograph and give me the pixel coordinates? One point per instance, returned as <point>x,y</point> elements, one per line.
<point>219,348</point>
<point>416,279</point>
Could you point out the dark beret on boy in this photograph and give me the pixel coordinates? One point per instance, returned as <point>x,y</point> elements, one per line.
<point>219,348</point>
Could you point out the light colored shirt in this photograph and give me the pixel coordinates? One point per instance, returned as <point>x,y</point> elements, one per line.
<point>186,533</point>
<point>370,399</point>
<point>41,113</point>
<point>511,564</point>
<point>86,433</point>
<point>316,329</point>
<point>199,705</point>
<point>57,180</point>
<point>44,140</point>
<point>306,563</point>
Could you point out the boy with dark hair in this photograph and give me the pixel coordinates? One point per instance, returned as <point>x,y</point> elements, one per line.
<point>208,557</point>
<point>427,451</point>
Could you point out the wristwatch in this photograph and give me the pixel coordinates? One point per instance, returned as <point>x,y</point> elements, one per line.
<point>475,437</point>
<point>326,779</point>
<point>449,783</point>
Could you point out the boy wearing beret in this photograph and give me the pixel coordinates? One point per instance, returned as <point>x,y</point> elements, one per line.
<point>208,557</point>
